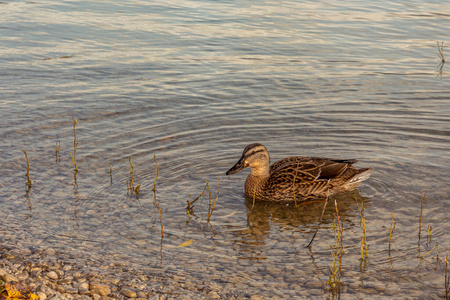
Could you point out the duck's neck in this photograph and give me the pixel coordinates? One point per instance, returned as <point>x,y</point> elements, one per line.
<point>256,181</point>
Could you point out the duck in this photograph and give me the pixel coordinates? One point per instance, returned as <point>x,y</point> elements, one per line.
<point>296,178</point>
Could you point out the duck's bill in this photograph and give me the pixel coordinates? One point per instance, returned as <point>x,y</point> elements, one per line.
<point>237,167</point>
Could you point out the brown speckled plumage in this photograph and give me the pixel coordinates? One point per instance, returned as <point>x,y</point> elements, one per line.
<point>296,178</point>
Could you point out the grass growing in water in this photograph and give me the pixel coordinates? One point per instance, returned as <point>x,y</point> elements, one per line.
<point>391,231</point>
<point>447,279</point>
<point>155,173</point>
<point>27,175</point>
<point>210,211</point>
<point>441,51</point>
<point>364,239</point>
<point>334,282</point>
<point>130,186</point>
<point>57,148</point>
<point>75,144</point>
<point>160,218</point>
<point>429,233</point>
<point>421,211</point>
<point>190,205</point>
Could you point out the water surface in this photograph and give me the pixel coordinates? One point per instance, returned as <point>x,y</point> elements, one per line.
<point>194,82</point>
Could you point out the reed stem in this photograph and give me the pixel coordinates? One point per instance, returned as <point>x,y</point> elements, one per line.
<point>155,173</point>
<point>75,144</point>
<point>215,201</point>
<point>391,231</point>
<point>27,175</point>
<point>160,217</point>
<point>421,210</point>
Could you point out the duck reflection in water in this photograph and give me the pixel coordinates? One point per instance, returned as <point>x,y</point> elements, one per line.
<point>264,216</point>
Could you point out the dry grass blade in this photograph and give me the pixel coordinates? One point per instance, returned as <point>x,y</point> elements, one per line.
<point>215,201</point>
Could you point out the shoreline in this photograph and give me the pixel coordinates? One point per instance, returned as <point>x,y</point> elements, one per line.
<point>52,278</point>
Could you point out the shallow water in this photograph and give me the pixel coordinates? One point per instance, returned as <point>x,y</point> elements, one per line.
<point>194,82</point>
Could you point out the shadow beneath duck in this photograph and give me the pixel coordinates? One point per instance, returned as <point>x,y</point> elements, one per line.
<point>264,217</point>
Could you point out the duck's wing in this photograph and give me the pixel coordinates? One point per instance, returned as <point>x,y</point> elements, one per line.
<point>311,168</point>
<point>333,168</point>
<point>305,176</point>
<point>300,178</point>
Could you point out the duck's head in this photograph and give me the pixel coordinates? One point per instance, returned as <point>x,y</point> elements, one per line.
<point>254,156</point>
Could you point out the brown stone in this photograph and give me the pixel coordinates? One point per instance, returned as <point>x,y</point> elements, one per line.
<point>100,289</point>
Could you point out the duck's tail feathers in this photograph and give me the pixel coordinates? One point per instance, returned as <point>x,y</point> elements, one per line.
<point>359,177</point>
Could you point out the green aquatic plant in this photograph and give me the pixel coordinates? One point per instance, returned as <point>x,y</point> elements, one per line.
<point>75,144</point>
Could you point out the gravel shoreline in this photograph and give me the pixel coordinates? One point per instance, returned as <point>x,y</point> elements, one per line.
<point>52,278</point>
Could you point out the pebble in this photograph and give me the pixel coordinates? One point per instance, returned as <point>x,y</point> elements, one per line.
<point>128,293</point>
<point>101,289</point>
<point>213,295</point>
<point>52,275</point>
<point>42,295</point>
<point>83,285</point>
<point>141,294</point>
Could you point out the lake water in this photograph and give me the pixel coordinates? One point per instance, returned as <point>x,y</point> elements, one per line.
<point>194,82</point>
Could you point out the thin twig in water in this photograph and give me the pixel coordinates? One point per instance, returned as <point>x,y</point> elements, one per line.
<point>421,210</point>
<point>160,217</point>
<point>441,51</point>
<point>110,172</point>
<point>155,173</point>
<point>75,144</point>
<point>320,223</point>
<point>215,201</point>
<point>391,231</point>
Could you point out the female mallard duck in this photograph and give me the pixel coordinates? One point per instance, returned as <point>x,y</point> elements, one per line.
<point>296,178</point>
